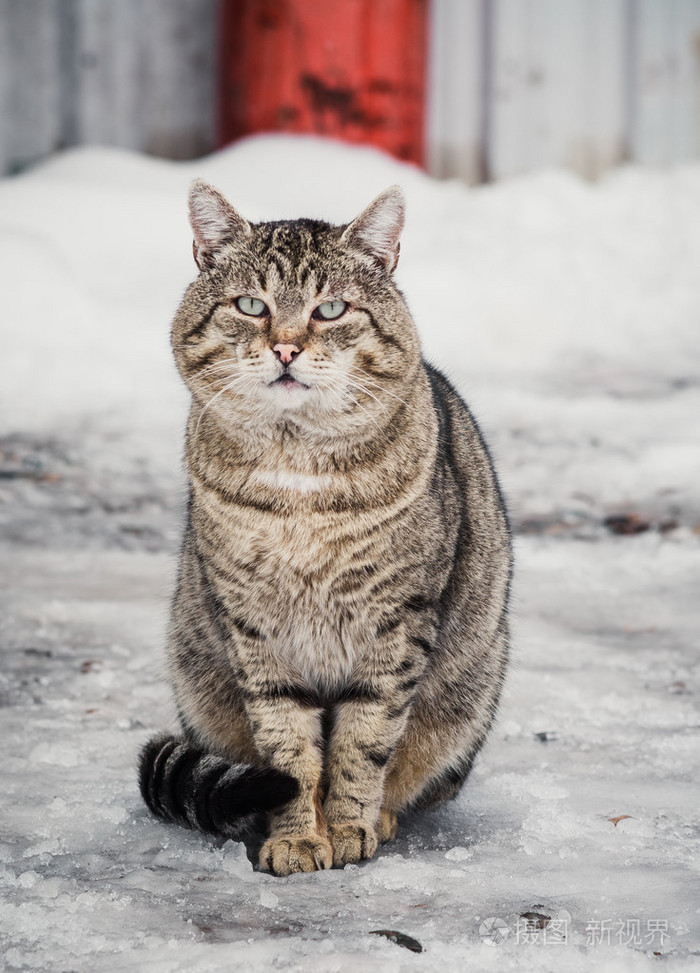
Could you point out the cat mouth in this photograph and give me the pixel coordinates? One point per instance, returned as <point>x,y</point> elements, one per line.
<point>288,382</point>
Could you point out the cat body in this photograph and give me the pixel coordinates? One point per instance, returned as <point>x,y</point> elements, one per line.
<point>340,615</point>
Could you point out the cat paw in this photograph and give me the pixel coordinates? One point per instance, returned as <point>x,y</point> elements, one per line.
<point>388,826</point>
<point>352,842</point>
<point>285,854</point>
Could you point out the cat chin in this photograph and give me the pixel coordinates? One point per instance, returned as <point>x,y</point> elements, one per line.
<point>287,394</point>
<point>276,399</point>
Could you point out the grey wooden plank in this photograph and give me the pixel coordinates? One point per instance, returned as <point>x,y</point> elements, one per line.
<point>558,96</point>
<point>510,106</point>
<point>179,77</point>
<point>665,80</point>
<point>456,81</point>
<point>110,55</point>
<point>5,115</point>
<point>146,75</point>
<point>603,85</point>
<point>68,23</point>
<point>30,73</point>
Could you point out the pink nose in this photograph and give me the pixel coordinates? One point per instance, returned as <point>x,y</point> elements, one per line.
<point>286,353</point>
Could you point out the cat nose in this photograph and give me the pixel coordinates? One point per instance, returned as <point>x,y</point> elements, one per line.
<point>286,353</point>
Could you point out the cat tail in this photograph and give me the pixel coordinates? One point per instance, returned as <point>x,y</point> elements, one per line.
<point>189,786</point>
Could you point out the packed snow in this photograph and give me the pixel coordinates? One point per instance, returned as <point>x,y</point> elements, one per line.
<point>568,314</point>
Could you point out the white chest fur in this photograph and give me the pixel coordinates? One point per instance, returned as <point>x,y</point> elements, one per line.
<point>286,480</point>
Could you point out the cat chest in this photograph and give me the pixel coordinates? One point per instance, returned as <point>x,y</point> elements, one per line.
<point>312,589</point>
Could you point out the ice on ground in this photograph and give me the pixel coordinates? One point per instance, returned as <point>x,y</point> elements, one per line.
<point>567,313</point>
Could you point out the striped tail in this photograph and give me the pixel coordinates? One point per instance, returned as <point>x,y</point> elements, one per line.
<point>189,786</point>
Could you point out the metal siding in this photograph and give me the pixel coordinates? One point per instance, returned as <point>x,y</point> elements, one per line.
<point>666,81</point>
<point>139,74</point>
<point>513,84</point>
<point>510,104</point>
<point>111,92</point>
<point>353,70</point>
<point>179,68</point>
<point>558,96</point>
<point>457,88</point>
<point>6,119</point>
<point>606,85</point>
<point>28,88</point>
<point>579,83</point>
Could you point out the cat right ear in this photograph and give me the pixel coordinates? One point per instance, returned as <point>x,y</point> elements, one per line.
<point>214,222</point>
<point>377,229</point>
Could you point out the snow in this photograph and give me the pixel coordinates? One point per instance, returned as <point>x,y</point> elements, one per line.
<point>569,315</point>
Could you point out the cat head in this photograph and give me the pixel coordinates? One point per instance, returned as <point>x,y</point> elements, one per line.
<point>296,320</point>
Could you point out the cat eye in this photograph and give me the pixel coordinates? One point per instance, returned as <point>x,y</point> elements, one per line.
<point>252,306</point>
<point>330,310</point>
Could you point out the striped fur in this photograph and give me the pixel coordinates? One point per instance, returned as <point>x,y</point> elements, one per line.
<point>188,786</point>
<point>341,609</point>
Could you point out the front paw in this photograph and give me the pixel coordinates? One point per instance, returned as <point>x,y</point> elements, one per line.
<point>352,842</point>
<point>285,854</point>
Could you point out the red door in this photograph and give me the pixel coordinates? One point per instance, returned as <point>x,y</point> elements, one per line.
<point>349,69</point>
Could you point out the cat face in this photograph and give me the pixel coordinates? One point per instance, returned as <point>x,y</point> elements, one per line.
<point>296,319</point>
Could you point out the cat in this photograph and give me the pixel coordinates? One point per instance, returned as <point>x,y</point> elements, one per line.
<point>339,634</point>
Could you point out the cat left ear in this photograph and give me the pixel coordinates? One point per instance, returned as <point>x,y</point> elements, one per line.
<point>214,222</point>
<point>377,229</point>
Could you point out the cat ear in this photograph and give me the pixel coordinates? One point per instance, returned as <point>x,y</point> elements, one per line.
<point>377,229</point>
<point>214,222</point>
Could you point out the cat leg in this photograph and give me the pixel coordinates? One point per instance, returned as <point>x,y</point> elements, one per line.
<point>369,720</point>
<point>285,721</point>
<point>297,843</point>
<point>290,737</point>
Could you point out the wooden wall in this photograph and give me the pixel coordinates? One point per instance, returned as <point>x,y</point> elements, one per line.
<point>133,73</point>
<point>514,84</point>
<point>519,84</point>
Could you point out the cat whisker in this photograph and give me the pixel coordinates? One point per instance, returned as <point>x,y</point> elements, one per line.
<point>358,385</point>
<point>215,380</point>
<point>217,366</point>
<point>362,388</point>
<point>377,385</point>
<point>407,405</point>
<point>362,409</point>
<point>226,388</point>
<point>352,398</point>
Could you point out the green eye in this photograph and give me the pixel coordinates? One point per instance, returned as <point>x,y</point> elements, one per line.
<point>330,310</point>
<point>251,305</point>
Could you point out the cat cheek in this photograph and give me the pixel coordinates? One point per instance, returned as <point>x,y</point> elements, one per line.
<point>366,361</point>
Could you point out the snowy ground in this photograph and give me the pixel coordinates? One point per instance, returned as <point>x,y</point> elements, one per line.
<point>569,316</point>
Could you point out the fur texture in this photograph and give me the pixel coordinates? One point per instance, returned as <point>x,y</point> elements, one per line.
<point>340,615</point>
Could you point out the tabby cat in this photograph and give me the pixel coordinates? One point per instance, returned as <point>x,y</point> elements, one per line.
<point>339,636</point>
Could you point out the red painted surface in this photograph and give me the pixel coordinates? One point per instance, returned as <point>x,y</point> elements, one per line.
<point>349,69</point>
